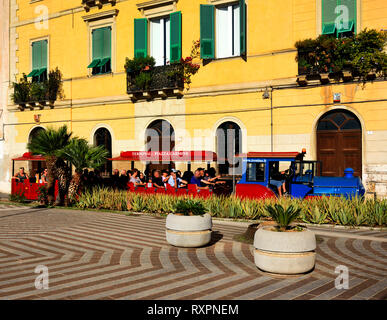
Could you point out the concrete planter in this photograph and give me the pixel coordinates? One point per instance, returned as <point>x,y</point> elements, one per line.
<point>284,252</point>
<point>188,231</point>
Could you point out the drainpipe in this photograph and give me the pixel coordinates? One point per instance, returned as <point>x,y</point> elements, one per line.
<point>271,121</point>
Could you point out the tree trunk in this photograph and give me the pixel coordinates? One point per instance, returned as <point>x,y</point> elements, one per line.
<point>50,161</point>
<point>74,186</point>
<point>62,174</point>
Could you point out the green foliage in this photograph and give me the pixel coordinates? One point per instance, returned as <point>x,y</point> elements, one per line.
<point>21,91</point>
<point>190,207</point>
<point>18,197</point>
<point>54,85</point>
<point>283,217</point>
<point>142,81</point>
<point>362,54</point>
<point>136,65</point>
<point>334,210</point>
<point>39,91</point>
<point>50,142</point>
<point>81,155</point>
<point>43,194</point>
<point>25,91</point>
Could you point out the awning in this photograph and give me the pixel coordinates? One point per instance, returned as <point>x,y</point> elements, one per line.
<point>28,156</point>
<point>103,62</point>
<point>329,28</point>
<point>268,155</point>
<point>33,73</point>
<point>166,156</point>
<point>350,25</point>
<point>94,63</point>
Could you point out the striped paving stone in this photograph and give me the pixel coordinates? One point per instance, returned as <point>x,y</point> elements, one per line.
<point>99,255</point>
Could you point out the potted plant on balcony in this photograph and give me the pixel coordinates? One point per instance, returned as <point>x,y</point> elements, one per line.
<point>54,86</point>
<point>38,93</point>
<point>284,249</point>
<point>190,226</point>
<point>21,92</point>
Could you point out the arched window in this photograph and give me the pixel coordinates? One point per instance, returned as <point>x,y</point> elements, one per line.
<point>34,132</point>
<point>229,143</point>
<point>102,137</point>
<point>160,136</point>
<point>35,167</point>
<point>339,143</point>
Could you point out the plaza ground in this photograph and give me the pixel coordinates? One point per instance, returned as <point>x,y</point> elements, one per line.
<point>100,255</point>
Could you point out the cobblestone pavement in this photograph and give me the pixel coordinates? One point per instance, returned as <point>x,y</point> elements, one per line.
<point>96,255</point>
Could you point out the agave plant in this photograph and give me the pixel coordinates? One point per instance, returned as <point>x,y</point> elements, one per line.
<point>283,217</point>
<point>81,155</point>
<point>190,207</point>
<point>50,143</point>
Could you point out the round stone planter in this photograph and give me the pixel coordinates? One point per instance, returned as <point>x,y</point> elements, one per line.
<point>188,231</point>
<point>284,252</point>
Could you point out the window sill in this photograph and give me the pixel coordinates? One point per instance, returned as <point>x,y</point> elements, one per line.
<point>225,59</point>
<point>111,73</point>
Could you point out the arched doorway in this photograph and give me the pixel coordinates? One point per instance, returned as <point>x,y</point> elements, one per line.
<point>102,137</point>
<point>160,136</point>
<point>339,143</point>
<point>229,144</point>
<point>35,167</point>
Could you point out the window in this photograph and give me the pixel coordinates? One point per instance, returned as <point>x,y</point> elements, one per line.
<point>223,30</point>
<point>255,172</point>
<point>160,40</point>
<point>227,31</point>
<point>39,61</point>
<point>339,17</point>
<point>101,51</point>
<point>164,38</point>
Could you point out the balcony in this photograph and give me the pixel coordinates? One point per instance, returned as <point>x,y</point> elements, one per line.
<point>38,93</point>
<point>326,59</point>
<point>157,82</point>
<point>87,4</point>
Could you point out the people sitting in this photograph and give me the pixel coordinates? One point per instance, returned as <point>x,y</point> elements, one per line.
<point>175,181</point>
<point>21,175</point>
<point>278,180</point>
<point>157,181</point>
<point>135,179</point>
<point>197,180</point>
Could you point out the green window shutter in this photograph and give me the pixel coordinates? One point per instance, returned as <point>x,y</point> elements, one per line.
<point>43,63</point>
<point>107,43</point>
<point>36,55</point>
<point>175,36</point>
<point>207,31</point>
<point>349,25</point>
<point>97,43</point>
<point>140,38</point>
<point>328,16</point>
<point>243,16</point>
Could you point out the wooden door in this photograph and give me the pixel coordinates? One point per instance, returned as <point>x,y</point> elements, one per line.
<point>339,143</point>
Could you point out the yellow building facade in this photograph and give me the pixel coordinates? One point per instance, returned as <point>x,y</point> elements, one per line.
<point>256,91</point>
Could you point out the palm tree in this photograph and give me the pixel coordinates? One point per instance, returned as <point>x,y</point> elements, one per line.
<point>81,155</point>
<point>49,144</point>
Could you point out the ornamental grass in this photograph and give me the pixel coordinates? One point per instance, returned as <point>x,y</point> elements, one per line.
<point>324,210</point>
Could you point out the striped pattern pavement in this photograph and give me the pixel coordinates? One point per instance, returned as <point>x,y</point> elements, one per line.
<point>95,255</point>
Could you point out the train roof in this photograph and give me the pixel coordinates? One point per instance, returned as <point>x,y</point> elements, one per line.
<point>271,155</point>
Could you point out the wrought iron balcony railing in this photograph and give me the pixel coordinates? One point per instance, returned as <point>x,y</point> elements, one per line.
<point>161,81</point>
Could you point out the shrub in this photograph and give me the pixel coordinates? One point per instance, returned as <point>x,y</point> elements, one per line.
<point>336,210</point>
<point>363,53</point>
<point>190,207</point>
<point>21,91</point>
